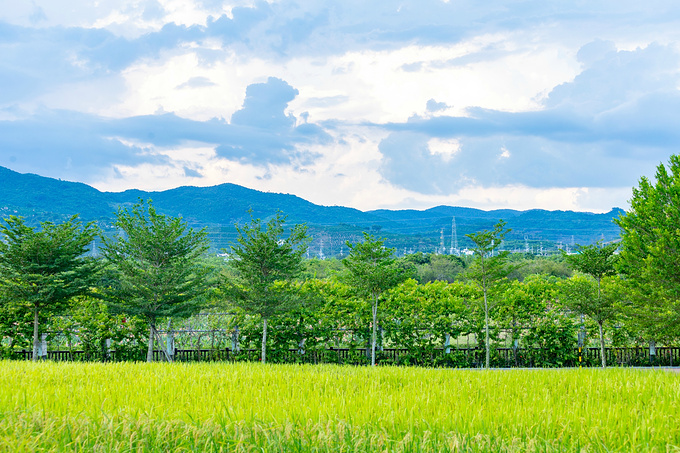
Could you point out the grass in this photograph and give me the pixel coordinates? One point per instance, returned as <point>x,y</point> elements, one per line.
<point>206,407</point>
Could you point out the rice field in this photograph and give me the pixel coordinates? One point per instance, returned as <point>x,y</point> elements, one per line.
<point>211,407</point>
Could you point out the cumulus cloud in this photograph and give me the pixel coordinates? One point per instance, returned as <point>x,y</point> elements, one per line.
<point>434,106</point>
<point>618,117</point>
<point>191,173</point>
<point>37,15</point>
<point>291,28</point>
<point>196,82</point>
<point>539,101</point>
<point>265,134</point>
<point>67,144</point>
<point>265,104</point>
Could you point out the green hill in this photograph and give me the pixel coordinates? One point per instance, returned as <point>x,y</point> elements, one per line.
<point>218,208</point>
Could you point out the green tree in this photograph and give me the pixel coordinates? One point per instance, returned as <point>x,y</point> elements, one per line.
<point>597,300</point>
<point>598,261</point>
<point>157,266</point>
<point>439,268</point>
<point>97,331</point>
<point>528,265</point>
<point>16,327</point>
<point>266,266</point>
<point>411,309</point>
<point>551,339</point>
<point>372,271</point>
<point>488,270</point>
<point>650,248</point>
<point>41,270</point>
<point>525,302</point>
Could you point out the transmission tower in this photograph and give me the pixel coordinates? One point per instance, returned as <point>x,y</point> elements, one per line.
<point>454,238</point>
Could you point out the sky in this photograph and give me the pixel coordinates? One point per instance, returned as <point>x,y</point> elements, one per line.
<point>368,104</point>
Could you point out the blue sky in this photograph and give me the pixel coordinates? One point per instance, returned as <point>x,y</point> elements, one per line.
<point>391,104</point>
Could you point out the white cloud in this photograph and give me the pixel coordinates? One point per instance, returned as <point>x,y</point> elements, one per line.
<point>445,148</point>
<point>394,95</point>
<point>487,104</point>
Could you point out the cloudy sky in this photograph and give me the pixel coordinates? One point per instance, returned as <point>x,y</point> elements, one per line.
<point>370,104</point>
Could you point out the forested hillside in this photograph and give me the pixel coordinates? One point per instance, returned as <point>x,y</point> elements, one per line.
<point>218,208</point>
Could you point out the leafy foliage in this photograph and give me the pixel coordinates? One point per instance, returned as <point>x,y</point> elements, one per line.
<point>91,328</point>
<point>266,265</point>
<point>598,261</point>
<point>551,340</point>
<point>597,300</point>
<point>650,250</point>
<point>489,270</point>
<point>41,270</point>
<point>422,318</point>
<point>372,270</point>
<point>157,266</point>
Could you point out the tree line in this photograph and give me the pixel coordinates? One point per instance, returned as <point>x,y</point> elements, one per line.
<point>155,269</point>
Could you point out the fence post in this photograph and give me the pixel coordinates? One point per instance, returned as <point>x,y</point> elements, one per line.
<point>234,340</point>
<point>301,346</point>
<point>108,348</point>
<point>581,342</point>
<point>652,352</point>
<point>170,346</point>
<point>170,342</point>
<point>447,343</point>
<point>42,347</point>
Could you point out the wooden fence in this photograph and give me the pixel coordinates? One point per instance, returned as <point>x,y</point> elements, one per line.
<point>457,357</point>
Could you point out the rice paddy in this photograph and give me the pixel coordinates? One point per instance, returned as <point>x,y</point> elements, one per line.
<point>211,407</point>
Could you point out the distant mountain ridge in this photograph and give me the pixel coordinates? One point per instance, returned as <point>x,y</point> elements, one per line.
<point>218,208</point>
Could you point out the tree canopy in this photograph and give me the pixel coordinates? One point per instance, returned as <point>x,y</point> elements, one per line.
<point>372,270</point>
<point>42,269</point>
<point>157,267</point>
<point>650,249</point>
<point>488,269</point>
<point>266,263</point>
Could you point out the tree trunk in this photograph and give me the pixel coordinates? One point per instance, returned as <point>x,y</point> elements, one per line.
<point>486,315</point>
<point>604,359</point>
<point>35,333</point>
<point>600,323</point>
<point>70,346</point>
<point>514,338</point>
<point>149,351</point>
<point>486,329</point>
<point>375,325</point>
<point>264,340</point>
<point>170,342</point>
<point>197,354</point>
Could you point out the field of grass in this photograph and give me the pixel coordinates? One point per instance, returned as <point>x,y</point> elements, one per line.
<point>206,407</point>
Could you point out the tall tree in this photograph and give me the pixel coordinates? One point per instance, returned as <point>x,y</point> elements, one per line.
<point>41,270</point>
<point>372,271</point>
<point>524,302</point>
<point>595,299</point>
<point>650,248</point>
<point>598,261</point>
<point>157,265</point>
<point>266,265</point>
<point>488,270</point>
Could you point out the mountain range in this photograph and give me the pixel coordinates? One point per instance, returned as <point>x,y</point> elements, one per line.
<point>219,208</point>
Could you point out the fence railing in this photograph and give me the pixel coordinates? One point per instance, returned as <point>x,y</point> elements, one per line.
<point>457,357</point>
